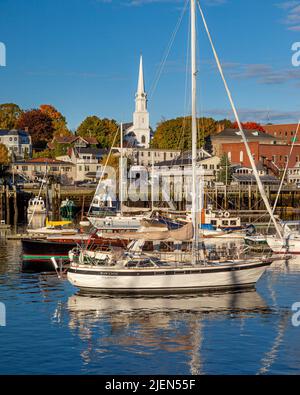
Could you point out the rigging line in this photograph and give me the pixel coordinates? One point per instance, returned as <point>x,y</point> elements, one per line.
<point>167,52</point>
<point>103,170</point>
<point>251,159</point>
<point>285,171</point>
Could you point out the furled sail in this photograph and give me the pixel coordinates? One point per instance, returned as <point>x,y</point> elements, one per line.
<point>182,234</point>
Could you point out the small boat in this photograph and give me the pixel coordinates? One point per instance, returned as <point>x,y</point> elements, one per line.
<point>37,253</point>
<point>220,221</point>
<point>54,228</point>
<point>36,205</point>
<point>68,209</point>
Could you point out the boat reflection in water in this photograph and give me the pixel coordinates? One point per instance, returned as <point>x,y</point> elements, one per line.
<point>172,324</point>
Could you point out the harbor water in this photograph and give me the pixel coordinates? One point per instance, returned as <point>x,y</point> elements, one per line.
<point>52,329</point>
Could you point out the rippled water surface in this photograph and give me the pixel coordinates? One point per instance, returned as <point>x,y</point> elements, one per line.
<point>51,329</point>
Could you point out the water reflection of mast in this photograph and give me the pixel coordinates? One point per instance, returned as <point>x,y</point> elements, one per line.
<point>196,336</point>
<point>270,357</point>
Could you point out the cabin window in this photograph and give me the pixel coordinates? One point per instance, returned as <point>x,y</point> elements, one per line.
<point>233,223</point>
<point>214,222</point>
<point>225,223</point>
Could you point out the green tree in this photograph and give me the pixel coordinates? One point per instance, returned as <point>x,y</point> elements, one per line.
<point>104,130</point>
<point>46,153</point>
<point>176,133</point>
<point>225,173</point>
<point>39,126</point>
<point>9,113</point>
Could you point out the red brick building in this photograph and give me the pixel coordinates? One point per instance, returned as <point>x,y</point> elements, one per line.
<point>277,154</point>
<point>286,132</point>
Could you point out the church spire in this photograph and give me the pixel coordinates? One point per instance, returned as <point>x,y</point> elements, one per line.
<point>141,85</point>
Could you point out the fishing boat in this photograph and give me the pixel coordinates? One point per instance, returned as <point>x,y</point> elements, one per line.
<point>36,205</point>
<point>37,253</point>
<point>222,220</point>
<point>133,272</point>
<point>68,209</point>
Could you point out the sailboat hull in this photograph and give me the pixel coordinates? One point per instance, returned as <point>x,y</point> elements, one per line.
<point>289,246</point>
<point>230,276</point>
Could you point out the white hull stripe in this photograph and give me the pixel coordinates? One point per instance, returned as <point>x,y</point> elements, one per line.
<point>168,272</point>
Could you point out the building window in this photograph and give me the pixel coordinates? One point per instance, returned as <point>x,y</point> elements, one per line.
<point>24,168</point>
<point>241,156</point>
<point>143,139</point>
<point>86,168</point>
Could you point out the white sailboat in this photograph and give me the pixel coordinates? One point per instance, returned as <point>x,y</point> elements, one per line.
<point>135,273</point>
<point>102,214</point>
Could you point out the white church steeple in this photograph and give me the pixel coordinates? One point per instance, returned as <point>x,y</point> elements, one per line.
<point>141,127</point>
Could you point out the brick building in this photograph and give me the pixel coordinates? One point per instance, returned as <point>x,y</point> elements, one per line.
<point>232,136</point>
<point>273,156</point>
<point>286,132</point>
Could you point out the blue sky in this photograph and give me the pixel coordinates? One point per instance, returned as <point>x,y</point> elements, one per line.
<point>82,56</point>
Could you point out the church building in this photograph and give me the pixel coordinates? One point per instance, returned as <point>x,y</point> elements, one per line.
<point>138,133</point>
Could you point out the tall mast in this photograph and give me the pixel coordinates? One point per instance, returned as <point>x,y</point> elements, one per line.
<point>121,169</point>
<point>194,127</point>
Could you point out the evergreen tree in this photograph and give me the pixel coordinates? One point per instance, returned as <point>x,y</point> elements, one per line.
<point>225,173</point>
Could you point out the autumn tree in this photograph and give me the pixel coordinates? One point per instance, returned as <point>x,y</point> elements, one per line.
<point>104,130</point>
<point>58,120</point>
<point>9,113</point>
<point>39,126</point>
<point>249,126</point>
<point>4,162</point>
<point>4,155</point>
<point>176,133</point>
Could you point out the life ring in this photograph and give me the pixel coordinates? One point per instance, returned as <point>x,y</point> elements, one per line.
<point>220,213</point>
<point>226,214</point>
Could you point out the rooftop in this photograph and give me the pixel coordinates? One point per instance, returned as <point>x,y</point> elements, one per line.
<point>40,161</point>
<point>13,132</point>
<point>250,134</point>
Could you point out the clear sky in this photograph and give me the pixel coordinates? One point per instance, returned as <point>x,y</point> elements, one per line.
<point>82,56</point>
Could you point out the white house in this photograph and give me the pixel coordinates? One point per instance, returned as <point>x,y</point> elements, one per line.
<point>18,143</point>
